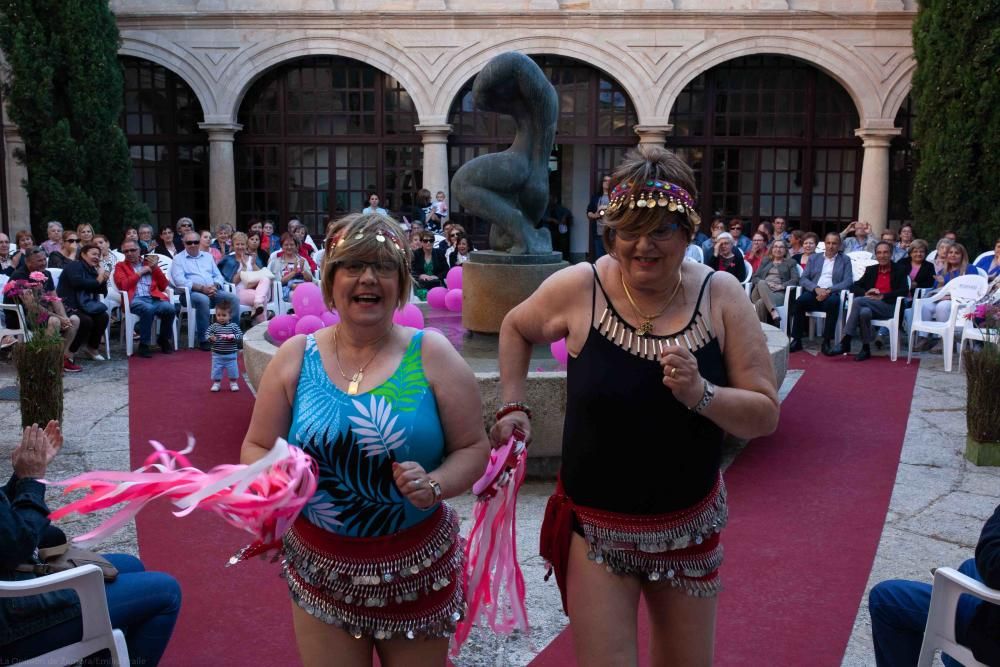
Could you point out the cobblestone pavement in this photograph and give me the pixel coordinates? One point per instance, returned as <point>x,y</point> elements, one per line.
<point>938,506</point>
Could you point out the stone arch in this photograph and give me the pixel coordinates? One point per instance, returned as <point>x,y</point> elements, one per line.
<point>901,87</point>
<point>250,65</point>
<point>155,49</point>
<point>609,62</point>
<point>842,65</point>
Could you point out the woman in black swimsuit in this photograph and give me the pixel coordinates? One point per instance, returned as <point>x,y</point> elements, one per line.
<point>652,385</point>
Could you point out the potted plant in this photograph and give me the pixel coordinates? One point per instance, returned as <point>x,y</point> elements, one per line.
<point>39,359</point>
<point>982,372</point>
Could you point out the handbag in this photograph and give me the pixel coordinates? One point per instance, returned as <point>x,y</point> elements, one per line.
<point>62,557</point>
<point>89,304</point>
<point>252,278</point>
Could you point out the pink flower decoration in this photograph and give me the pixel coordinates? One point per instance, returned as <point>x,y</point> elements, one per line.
<point>37,275</point>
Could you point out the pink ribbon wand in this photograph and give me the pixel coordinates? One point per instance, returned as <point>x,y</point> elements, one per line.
<point>262,498</point>
<point>494,583</point>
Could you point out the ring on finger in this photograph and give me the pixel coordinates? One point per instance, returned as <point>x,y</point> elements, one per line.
<point>673,372</point>
<point>417,483</point>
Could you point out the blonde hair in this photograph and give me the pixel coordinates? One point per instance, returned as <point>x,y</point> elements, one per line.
<point>359,241</point>
<point>649,162</point>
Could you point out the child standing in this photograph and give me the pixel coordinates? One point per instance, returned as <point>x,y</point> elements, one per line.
<point>440,208</point>
<point>225,337</point>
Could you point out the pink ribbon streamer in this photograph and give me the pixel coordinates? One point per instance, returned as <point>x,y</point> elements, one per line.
<point>494,584</point>
<point>262,498</point>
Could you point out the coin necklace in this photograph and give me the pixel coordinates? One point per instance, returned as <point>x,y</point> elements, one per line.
<point>647,320</point>
<point>354,382</point>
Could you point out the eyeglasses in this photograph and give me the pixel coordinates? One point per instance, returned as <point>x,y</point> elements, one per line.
<point>427,240</point>
<point>661,233</point>
<point>385,268</point>
<point>453,236</point>
<point>130,250</point>
<point>735,227</point>
<point>72,240</point>
<point>192,242</point>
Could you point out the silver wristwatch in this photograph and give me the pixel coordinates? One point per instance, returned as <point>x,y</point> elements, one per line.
<point>435,487</point>
<point>707,396</point>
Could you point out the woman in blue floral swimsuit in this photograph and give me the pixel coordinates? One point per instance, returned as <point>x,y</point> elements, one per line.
<point>392,417</point>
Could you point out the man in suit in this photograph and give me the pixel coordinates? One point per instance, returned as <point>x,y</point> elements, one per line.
<point>825,277</point>
<point>875,298</point>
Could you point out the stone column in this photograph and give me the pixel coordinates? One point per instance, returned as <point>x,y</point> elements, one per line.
<point>435,139</point>
<point>873,200</point>
<point>18,206</point>
<point>653,134</point>
<point>222,173</point>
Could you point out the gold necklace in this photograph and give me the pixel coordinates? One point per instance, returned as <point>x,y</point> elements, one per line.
<point>647,324</point>
<point>354,381</point>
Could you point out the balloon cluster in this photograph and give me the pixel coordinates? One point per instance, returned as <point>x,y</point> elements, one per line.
<point>448,298</point>
<point>312,315</point>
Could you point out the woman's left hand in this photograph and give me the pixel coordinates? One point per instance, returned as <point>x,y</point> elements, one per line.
<point>411,480</point>
<point>681,375</point>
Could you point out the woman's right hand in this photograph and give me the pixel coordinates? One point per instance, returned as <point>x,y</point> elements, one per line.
<point>37,449</point>
<point>502,429</point>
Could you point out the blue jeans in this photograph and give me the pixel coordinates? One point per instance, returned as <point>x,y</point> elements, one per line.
<point>146,308</point>
<point>899,609</point>
<point>144,605</point>
<point>225,363</point>
<point>201,304</point>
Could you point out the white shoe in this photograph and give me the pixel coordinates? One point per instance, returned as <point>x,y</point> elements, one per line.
<point>216,386</point>
<point>91,354</point>
<point>233,386</point>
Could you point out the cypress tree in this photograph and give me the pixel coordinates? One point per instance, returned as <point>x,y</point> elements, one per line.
<point>64,91</point>
<point>956,89</point>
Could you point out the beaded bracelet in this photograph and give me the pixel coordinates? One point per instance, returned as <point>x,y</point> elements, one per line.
<point>512,406</point>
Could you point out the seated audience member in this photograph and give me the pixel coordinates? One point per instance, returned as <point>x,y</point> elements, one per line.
<point>921,271</point>
<point>82,288</point>
<point>269,241</point>
<point>416,242</point>
<point>6,263</point>
<point>53,243</point>
<point>757,252</point>
<point>184,225</point>
<point>951,235</point>
<point>241,269</point>
<point>146,240</point>
<point>795,238</point>
<point>899,608</point>
<point>991,263</point>
<point>809,242</point>
<point>223,240</point>
<point>143,604</point>
<point>289,266</point>
<point>822,282</point>
<point>459,255</point>
<point>206,246</point>
<point>777,272</point>
<point>165,246</point>
<point>253,247</point>
<point>765,229</point>
<point>906,236</point>
<point>862,239</point>
<point>781,232</point>
<point>429,266</point>
<point>330,235</point>
<point>726,257</point>
<point>741,241</point>
<point>889,236</point>
<point>108,258</point>
<point>23,241</point>
<point>131,234</point>
<point>57,319</point>
<point>85,232</point>
<point>875,298</point>
<point>195,269</point>
<point>954,264</point>
<point>146,285</point>
<point>717,227</point>
<point>941,254</point>
<point>306,249</point>
<point>66,253</point>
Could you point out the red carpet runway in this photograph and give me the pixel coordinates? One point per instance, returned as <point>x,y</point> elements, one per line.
<point>807,506</point>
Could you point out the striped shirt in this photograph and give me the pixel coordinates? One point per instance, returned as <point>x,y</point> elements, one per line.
<point>227,337</point>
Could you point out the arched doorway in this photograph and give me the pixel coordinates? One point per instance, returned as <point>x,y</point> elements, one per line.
<point>169,151</point>
<point>319,134</point>
<point>771,136</point>
<point>596,127</point>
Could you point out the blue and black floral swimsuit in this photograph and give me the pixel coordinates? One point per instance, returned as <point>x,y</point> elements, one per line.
<point>356,439</point>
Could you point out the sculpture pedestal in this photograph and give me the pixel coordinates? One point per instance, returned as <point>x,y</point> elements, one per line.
<point>494,282</point>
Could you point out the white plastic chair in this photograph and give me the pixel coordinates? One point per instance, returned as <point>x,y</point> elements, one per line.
<point>860,260</point>
<point>817,316</point>
<point>694,253</point>
<point>98,635</point>
<point>939,633</point>
<point>982,255</point>
<point>56,274</point>
<point>932,255</point>
<point>982,272</point>
<point>963,290</point>
<point>14,309</point>
<point>130,321</point>
<point>749,274</point>
<point>790,293</point>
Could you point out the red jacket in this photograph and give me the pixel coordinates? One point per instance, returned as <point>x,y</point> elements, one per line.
<point>126,279</point>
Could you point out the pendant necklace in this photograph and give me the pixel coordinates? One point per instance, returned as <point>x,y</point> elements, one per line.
<point>354,381</point>
<point>647,320</point>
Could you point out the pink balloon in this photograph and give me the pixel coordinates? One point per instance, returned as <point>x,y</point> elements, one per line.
<point>330,318</point>
<point>560,352</point>
<point>307,299</point>
<point>435,297</point>
<point>308,324</point>
<point>453,300</point>
<point>414,316</point>
<point>454,278</point>
<point>281,328</point>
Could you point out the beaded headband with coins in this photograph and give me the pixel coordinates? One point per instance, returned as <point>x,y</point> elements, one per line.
<point>651,195</point>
